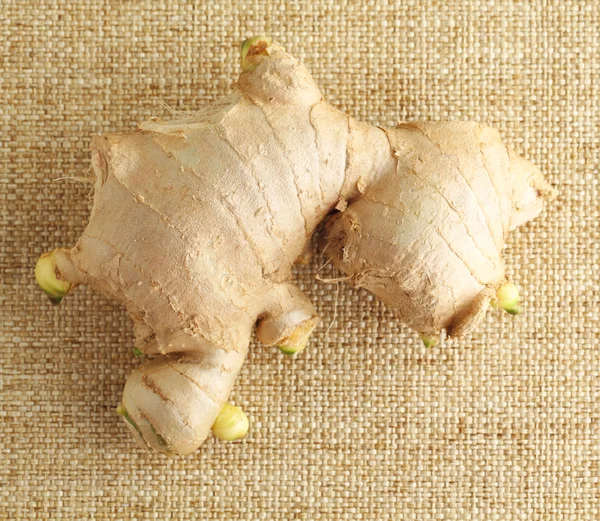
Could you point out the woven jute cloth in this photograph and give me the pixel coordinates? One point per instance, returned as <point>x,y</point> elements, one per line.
<point>366,423</point>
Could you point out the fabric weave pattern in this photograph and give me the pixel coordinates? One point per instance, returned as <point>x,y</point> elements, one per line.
<point>366,423</point>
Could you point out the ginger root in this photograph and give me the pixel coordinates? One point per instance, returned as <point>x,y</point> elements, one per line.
<point>197,222</point>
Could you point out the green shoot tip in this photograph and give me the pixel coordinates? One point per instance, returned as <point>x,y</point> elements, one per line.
<point>429,340</point>
<point>514,311</point>
<point>291,350</point>
<point>255,46</point>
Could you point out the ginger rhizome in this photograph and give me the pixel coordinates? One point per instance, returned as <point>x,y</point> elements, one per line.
<point>198,221</point>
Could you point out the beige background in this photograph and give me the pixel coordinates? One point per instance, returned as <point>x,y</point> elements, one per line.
<point>367,423</point>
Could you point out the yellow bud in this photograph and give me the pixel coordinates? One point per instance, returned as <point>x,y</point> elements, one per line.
<point>231,423</point>
<point>507,291</point>
<point>45,275</point>
<point>507,298</point>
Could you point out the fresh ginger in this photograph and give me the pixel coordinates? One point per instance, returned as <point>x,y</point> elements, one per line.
<point>198,221</point>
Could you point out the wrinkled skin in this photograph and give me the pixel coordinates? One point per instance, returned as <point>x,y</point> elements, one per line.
<point>197,222</point>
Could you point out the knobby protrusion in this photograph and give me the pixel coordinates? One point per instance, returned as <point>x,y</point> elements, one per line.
<point>297,341</point>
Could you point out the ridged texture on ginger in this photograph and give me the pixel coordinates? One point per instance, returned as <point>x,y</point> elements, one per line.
<point>197,222</point>
<point>428,238</point>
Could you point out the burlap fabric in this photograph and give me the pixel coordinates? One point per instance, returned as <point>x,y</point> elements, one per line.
<point>367,423</point>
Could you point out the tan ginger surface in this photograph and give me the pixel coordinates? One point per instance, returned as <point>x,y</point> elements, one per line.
<point>197,222</point>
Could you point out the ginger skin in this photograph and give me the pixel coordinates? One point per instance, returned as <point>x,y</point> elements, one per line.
<point>198,221</point>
